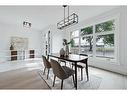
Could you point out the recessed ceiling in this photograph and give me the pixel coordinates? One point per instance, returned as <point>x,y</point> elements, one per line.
<point>42,16</point>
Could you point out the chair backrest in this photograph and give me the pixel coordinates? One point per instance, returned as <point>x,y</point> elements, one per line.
<point>85,61</point>
<point>46,62</point>
<point>58,70</point>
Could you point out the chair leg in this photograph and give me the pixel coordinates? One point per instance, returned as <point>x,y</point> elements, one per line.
<point>65,63</point>
<point>44,71</point>
<point>81,74</point>
<point>54,81</point>
<point>87,72</point>
<point>62,84</point>
<point>73,80</point>
<point>48,73</point>
<point>72,66</point>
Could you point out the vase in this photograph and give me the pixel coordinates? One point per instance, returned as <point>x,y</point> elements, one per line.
<point>62,52</point>
<point>66,50</point>
<point>11,47</point>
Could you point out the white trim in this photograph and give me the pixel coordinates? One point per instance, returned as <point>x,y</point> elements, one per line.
<point>94,42</point>
<point>105,33</point>
<point>79,41</point>
<point>116,38</point>
<point>87,35</point>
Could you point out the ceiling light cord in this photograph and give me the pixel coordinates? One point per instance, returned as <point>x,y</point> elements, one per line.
<point>64,12</point>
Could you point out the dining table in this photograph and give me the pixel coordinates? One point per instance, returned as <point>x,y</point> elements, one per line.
<point>73,58</point>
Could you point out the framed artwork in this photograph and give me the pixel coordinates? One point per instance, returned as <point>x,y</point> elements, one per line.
<point>19,43</point>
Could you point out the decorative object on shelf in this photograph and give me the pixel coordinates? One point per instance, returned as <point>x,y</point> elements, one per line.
<point>62,52</point>
<point>11,47</point>
<point>14,55</point>
<point>26,24</point>
<point>32,53</point>
<point>69,20</point>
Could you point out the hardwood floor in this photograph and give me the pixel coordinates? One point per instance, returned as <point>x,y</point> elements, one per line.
<point>21,75</point>
<point>25,76</point>
<point>22,79</point>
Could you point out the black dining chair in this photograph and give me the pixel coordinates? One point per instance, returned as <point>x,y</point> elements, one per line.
<point>62,72</point>
<point>61,60</point>
<point>81,65</point>
<point>46,64</point>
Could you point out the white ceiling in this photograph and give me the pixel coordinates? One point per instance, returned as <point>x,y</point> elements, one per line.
<point>42,16</point>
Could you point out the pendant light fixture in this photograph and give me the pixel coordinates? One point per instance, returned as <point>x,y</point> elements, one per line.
<point>69,20</point>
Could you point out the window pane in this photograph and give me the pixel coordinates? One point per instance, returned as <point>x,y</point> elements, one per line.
<point>105,26</point>
<point>87,45</point>
<point>75,45</point>
<point>105,45</point>
<point>87,30</point>
<point>75,33</point>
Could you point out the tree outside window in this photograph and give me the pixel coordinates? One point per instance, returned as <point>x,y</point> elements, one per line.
<point>104,41</point>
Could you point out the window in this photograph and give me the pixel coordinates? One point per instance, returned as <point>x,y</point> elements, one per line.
<point>75,34</point>
<point>105,26</point>
<point>86,45</point>
<point>75,42</point>
<point>97,39</point>
<point>105,45</point>
<point>105,39</point>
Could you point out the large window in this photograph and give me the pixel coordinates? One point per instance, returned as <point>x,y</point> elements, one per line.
<point>97,39</point>
<point>86,39</point>
<point>105,45</point>
<point>75,42</point>
<point>105,39</point>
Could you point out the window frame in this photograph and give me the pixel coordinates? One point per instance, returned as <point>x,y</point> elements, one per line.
<point>116,37</point>
<point>95,34</point>
<point>104,34</point>
<point>75,38</point>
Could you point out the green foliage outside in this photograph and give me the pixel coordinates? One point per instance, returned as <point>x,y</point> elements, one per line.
<point>106,26</point>
<point>85,31</point>
<point>72,43</point>
<point>102,27</point>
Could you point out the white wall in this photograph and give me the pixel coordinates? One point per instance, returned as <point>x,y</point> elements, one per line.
<point>8,30</point>
<point>121,65</point>
<point>56,38</point>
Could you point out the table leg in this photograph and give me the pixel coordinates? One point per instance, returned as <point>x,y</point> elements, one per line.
<point>87,72</point>
<point>75,75</point>
<point>48,57</point>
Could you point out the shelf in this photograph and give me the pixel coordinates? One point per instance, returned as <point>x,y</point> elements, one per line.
<point>17,54</point>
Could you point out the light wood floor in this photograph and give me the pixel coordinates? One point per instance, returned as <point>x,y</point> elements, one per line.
<point>22,79</point>
<point>27,78</point>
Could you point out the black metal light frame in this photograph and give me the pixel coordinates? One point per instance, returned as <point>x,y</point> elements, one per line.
<point>70,20</point>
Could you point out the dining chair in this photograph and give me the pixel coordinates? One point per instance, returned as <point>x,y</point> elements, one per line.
<point>62,72</point>
<point>81,65</point>
<point>60,60</point>
<point>46,64</point>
